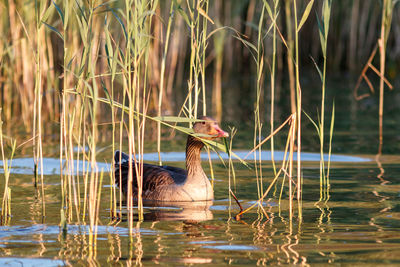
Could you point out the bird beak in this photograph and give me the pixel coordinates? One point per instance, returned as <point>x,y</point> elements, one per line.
<point>221,133</point>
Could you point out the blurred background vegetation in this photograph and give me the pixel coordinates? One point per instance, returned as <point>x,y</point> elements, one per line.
<point>230,71</point>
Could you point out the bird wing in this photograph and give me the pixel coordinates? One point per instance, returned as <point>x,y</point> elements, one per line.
<point>176,170</point>
<point>153,175</point>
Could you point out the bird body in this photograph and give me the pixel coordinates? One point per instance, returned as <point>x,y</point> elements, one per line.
<point>166,183</point>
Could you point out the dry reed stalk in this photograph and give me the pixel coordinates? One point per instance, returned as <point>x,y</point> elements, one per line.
<point>217,87</point>
<point>112,60</point>
<point>231,173</point>
<point>211,166</point>
<point>6,201</point>
<point>289,146</point>
<point>174,59</point>
<point>161,88</point>
<point>202,8</point>
<point>129,92</point>
<point>323,34</point>
<point>63,122</point>
<point>135,87</point>
<point>387,9</point>
<point>330,153</point>
<point>293,129</point>
<point>272,109</point>
<point>386,22</point>
<point>40,8</point>
<point>197,62</point>
<point>289,56</point>
<point>297,27</point>
<point>285,163</point>
<point>257,120</point>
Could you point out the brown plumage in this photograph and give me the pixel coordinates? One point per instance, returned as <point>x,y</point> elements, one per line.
<point>166,183</point>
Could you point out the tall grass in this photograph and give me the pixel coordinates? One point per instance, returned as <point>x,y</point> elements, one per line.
<point>323,26</point>
<point>197,21</point>
<point>323,33</point>
<point>290,52</point>
<point>297,27</point>
<point>103,59</point>
<point>161,89</point>
<point>40,8</point>
<point>6,202</point>
<point>362,36</point>
<point>387,14</point>
<point>381,45</point>
<point>286,167</point>
<point>259,58</point>
<point>273,76</point>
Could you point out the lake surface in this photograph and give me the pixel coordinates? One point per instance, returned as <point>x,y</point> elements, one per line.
<point>358,225</point>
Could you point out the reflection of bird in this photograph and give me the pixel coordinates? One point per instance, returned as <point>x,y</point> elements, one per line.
<point>180,211</point>
<point>165,183</point>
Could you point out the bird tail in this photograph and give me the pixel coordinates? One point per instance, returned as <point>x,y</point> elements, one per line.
<point>120,157</point>
<point>120,167</point>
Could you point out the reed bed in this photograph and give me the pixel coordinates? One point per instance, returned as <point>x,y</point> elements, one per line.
<point>7,163</point>
<point>128,65</point>
<point>347,46</point>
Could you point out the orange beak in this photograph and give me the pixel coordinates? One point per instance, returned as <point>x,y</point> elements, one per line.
<point>220,132</point>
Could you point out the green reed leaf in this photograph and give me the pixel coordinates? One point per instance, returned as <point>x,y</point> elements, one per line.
<point>326,15</point>
<point>175,119</point>
<point>108,45</point>
<point>318,69</point>
<point>223,148</point>
<point>332,123</point>
<point>67,9</point>
<point>46,14</point>
<point>313,122</point>
<point>179,9</point>
<point>104,4</point>
<point>120,22</point>
<point>330,139</point>
<point>305,14</point>
<point>103,85</point>
<point>184,15</point>
<point>54,30</point>
<point>227,147</point>
<point>59,11</point>
<point>268,8</point>
<point>246,43</point>
<point>322,39</point>
<point>69,64</point>
<point>81,11</point>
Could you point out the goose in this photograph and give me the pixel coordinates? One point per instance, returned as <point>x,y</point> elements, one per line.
<point>172,184</point>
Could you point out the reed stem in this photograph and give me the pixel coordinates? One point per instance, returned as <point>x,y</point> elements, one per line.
<point>162,74</point>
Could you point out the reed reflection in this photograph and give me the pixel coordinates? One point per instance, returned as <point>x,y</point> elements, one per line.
<point>114,241</point>
<point>158,244</point>
<point>264,231</point>
<point>278,240</point>
<point>35,212</point>
<point>75,246</point>
<point>193,234</point>
<point>138,244</point>
<point>381,169</point>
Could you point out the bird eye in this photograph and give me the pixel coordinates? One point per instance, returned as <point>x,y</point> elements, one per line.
<point>203,122</point>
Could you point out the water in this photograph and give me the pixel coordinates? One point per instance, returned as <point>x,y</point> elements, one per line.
<point>358,225</point>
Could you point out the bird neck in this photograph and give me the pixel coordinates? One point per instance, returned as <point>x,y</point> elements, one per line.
<point>193,160</point>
